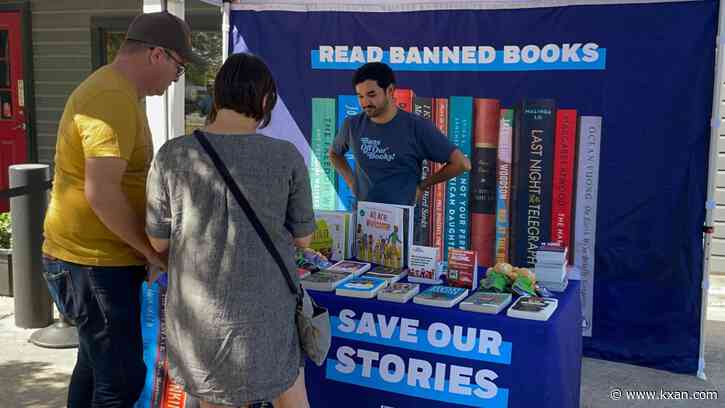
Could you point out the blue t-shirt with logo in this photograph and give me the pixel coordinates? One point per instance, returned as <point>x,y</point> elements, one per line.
<point>389,156</point>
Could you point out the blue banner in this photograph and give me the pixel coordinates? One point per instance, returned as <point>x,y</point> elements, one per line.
<point>409,355</point>
<point>645,69</point>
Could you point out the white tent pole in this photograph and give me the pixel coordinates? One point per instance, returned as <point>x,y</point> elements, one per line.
<point>716,123</point>
<point>176,92</point>
<point>226,10</point>
<point>166,112</point>
<point>157,106</point>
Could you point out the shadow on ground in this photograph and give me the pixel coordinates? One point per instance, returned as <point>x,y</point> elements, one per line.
<point>32,384</point>
<point>600,377</point>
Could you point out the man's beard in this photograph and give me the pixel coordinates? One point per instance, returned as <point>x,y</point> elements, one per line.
<point>374,112</point>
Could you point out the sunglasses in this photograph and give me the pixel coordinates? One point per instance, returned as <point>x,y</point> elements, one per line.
<point>180,67</point>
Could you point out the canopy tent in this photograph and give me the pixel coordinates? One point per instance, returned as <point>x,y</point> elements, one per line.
<point>649,294</point>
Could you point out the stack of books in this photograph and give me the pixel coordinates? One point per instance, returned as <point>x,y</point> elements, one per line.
<point>550,267</point>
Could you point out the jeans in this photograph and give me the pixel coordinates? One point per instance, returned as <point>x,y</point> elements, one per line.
<point>104,304</point>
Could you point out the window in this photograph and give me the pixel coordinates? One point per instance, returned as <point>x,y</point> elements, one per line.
<point>112,41</point>
<point>200,80</point>
<point>6,110</point>
<point>206,39</point>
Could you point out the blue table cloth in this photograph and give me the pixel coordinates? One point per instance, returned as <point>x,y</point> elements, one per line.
<point>392,355</point>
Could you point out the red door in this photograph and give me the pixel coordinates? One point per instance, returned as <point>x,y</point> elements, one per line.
<point>13,130</point>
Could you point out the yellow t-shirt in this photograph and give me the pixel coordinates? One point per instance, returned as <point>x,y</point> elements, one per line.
<point>102,118</point>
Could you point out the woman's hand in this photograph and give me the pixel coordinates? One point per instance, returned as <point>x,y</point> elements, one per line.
<point>303,242</point>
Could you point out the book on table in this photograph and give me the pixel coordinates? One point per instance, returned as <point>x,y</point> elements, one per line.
<point>533,308</point>
<point>383,233</point>
<point>555,286</point>
<point>424,265</point>
<point>356,268</point>
<point>391,275</point>
<point>333,236</point>
<point>462,268</point>
<point>361,286</point>
<point>441,296</point>
<point>325,280</point>
<point>399,292</point>
<point>486,302</point>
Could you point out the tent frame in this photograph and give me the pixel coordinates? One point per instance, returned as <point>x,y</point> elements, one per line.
<point>170,107</point>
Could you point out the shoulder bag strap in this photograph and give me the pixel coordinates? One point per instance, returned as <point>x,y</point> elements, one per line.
<point>242,200</point>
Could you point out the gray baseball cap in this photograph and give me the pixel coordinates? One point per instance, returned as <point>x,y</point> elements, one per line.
<point>165,30</point>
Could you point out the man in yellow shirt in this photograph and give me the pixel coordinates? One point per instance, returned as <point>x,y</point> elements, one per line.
<point>95,249</point>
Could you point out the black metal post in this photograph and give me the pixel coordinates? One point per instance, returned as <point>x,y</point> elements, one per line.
<point>33,308</point>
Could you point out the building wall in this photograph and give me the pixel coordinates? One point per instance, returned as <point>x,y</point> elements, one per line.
<point>62,56</point>
<point>717,258</point>
<point>62,53</point>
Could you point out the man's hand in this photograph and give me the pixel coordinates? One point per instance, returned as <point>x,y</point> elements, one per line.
<point>103,180</point>
<point>158,257</point>
<point>457,164</point>
<point>157,260</point>
<point>152,273</point>
<point>157,263</point>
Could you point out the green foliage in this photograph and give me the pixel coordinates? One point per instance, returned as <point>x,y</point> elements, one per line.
<point>114,40</point>
<point>208,44</point>
<point>5,231</point>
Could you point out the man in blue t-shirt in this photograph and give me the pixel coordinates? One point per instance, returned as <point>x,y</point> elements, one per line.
<point>390,145</point>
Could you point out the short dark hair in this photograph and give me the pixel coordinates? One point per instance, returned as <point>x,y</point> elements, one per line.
<point>242,84</point>
<point>377,71</point>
